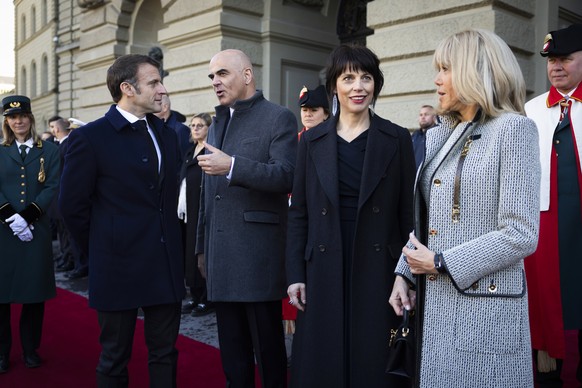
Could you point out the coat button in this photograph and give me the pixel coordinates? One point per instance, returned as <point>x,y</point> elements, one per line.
<point>475,285</point>
<point>375,209</point>
<point>432,232</point>
<point>432,277</point>
<point>377,247</point>
<point>22,192</point>
<point>321,248</point>
<point>557,142</point>
<point>218,197</point>
<point>323,211</point>
<point>492,288</point>
<point>144,159</point>
<point>437,182</point>
<point>22,176</point>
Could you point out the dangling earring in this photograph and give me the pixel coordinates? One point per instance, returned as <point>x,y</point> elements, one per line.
<point>334,105</point>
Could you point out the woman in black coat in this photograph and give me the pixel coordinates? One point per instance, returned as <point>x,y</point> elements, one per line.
<point>29,177</point>
<point>350,215</point>
<point>188,206</point>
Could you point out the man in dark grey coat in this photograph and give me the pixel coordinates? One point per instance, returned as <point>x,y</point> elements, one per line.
<point>248,166</point>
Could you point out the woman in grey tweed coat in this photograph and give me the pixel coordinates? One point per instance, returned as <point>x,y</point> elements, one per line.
<point>476,219</point>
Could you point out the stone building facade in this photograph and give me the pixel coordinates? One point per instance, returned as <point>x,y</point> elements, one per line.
<point>64,47</point>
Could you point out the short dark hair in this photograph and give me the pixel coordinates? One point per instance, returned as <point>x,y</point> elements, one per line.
<point>353,57</point>
<point>54,118</point>
<point>125,69</point>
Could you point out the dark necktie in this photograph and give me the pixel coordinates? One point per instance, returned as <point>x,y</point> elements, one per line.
<point>23,151</point>
<point>141,126</point>
<point>564,115</point>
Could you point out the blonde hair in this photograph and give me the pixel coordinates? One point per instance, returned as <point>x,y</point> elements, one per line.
<point>484,72</point>
<point>8,134</point>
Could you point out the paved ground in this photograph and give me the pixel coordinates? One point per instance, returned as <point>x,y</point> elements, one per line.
<point>201,329</point>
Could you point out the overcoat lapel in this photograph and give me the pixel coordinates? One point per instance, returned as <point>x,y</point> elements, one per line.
<point>380,142</point>
<point>323,152</point>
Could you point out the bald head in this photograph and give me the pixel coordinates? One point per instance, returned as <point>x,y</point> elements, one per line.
<point>231,73</point>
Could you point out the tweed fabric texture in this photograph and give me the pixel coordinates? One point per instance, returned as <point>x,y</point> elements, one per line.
<point>475,328</point>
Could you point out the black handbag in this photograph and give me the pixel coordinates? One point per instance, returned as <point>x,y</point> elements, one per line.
<point>402,348</point>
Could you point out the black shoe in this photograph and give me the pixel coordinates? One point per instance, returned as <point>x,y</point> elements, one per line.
<point>202,309</point>
<point>68,266</point>
<point>31,360</point>
<point>76,274</point>
<point>188,307</point>
<point>4,364</point>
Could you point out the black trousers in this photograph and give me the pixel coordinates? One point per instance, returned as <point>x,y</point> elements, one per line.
<point>31,319</point>
<point>247,331</point>
<point>161,324</point>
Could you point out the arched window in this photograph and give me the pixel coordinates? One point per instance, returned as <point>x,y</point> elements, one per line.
<point>44,12</point>
<point>44,72</point>
<point>33,20</point>
<point>23,89</point>
<point>23,29</point>
<point>33,79</point>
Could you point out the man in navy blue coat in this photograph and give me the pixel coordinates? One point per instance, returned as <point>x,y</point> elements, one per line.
<point>118,198</point>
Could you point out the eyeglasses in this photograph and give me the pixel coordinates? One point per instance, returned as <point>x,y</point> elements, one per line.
<point>199,126</point>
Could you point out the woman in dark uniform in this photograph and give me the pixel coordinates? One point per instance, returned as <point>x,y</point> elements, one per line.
<point>189,201</point>
<point>350,215</point>
<point>29,177</point>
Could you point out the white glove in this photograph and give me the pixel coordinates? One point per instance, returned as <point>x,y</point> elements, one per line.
<point>17,223</point>
<point>182,202</point>
<point>25,235</point>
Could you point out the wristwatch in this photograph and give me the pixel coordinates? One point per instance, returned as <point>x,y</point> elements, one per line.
<point>438,263</point>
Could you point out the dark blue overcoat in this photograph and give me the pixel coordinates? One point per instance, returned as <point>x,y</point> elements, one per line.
<point>123,214</point>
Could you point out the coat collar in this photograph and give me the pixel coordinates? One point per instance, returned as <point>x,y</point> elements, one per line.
<point>322,141</point>
<point>554,97</point>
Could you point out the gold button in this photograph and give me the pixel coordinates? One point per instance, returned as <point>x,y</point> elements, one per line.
<point>557,141</point>
<point>432,277</point>
<point>22,176</point>
<point>22,184</point>
<point>22,201</point>
<point>22,167</point>
<point>22,192</point>
<point>432,232</point>
<point>492,288</point>
<point>475,285</point>
<point>437,182</point>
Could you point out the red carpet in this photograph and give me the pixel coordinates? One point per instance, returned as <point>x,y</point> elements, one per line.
<point>70,350</point>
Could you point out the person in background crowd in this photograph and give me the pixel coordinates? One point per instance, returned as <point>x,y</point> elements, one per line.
<point>314,107</point>
<point>476,219</point>
<point>80,266</point>
<point>314,111</point>
<point>171,119</point>
<point>53,122</point>
<point>188,206</point>
<point>47,136</point>
<point>66,260</point>
<point>118,198</point>
<point>248,173</point>
<point>426,120</point>
<point>552,271</point>
<point>350,214</point>
<point>29,178</point>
